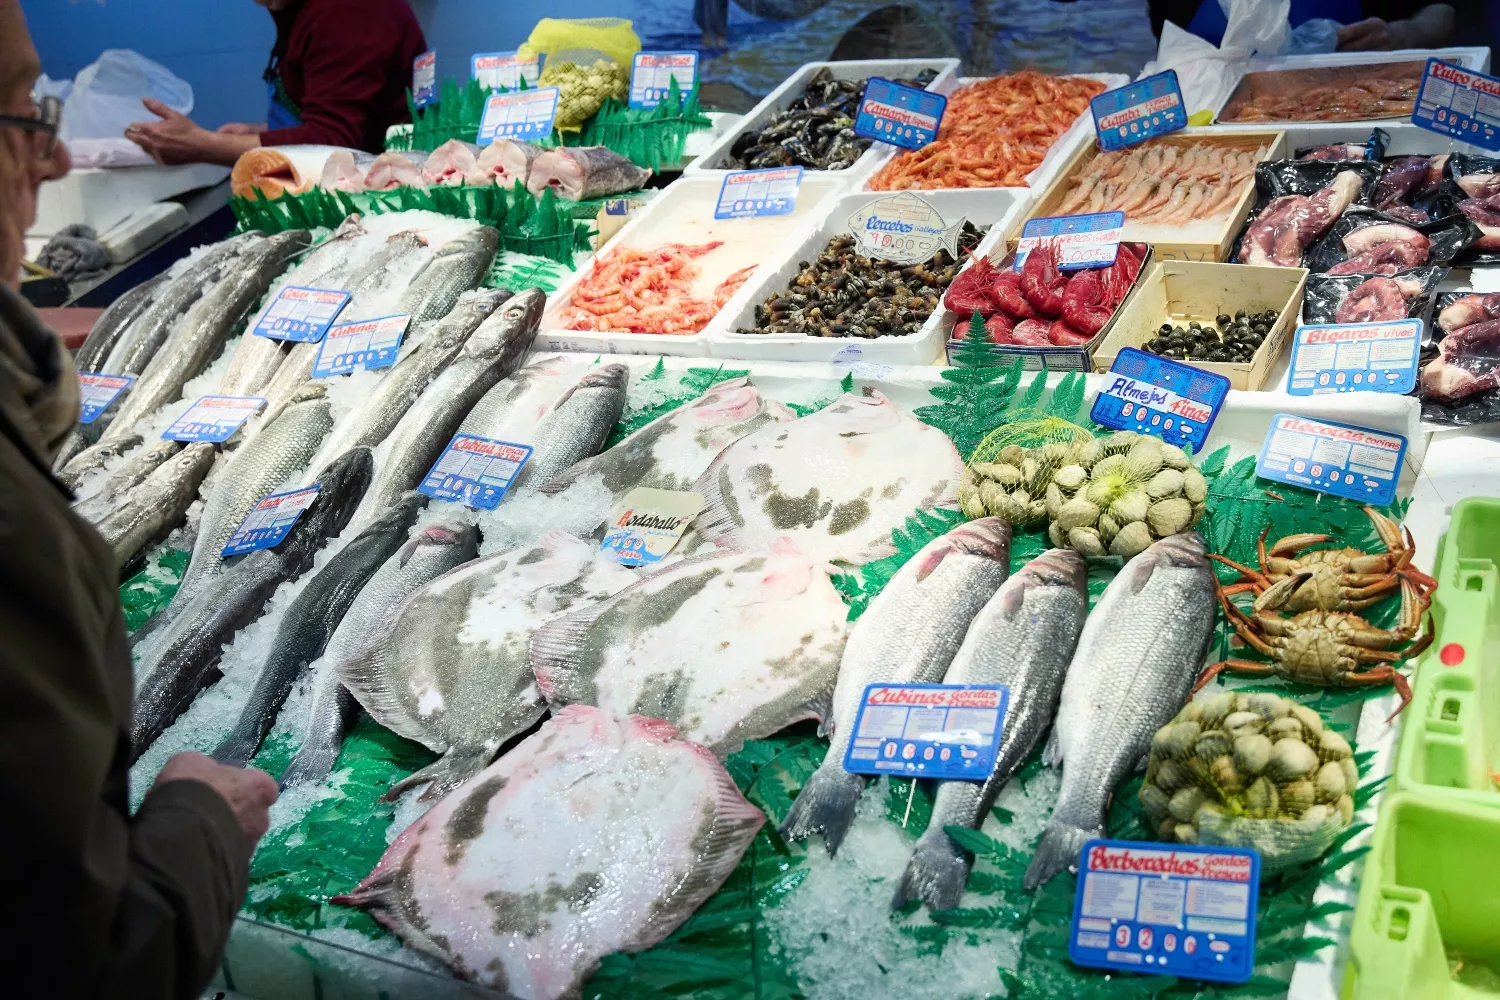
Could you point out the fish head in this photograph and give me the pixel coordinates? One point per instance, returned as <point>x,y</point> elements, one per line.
<point>1183,551</point>
<point>867,412</point>
<point>480,239</point>
<point>459,534</point>
<point>727,403</point>
<point>986,537</point>
<point>520,313</point>
<point>1057,568</point>
<point>611,377</point>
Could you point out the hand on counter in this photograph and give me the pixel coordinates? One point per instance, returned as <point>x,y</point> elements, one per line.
<point>176,138</point>
<point>242,128</point>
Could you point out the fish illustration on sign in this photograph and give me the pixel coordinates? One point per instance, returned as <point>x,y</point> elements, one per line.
<point>904,228</point>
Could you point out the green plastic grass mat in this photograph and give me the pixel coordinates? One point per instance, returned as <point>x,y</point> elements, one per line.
<point>729,949</point>
<point>152,587</point>
<point>538,226</point>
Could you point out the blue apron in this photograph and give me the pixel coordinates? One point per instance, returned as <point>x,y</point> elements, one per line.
<point>279,115</point>
<point>1209,22</point>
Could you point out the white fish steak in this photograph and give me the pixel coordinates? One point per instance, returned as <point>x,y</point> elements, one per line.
<point>579,173</point>
<point>155,507</point>
<point>909,634</point>
<point>430,553</point>
<point>671,452</point>
<point>594,835</point>
<point>726,647</point>
<point>1136,661</point>
<point>1024,639</point>
<point>837,481</point>
<point>450,668</point>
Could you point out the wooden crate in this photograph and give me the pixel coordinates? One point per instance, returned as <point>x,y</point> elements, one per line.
<point>1214,247</point>
<point>1178,291</point>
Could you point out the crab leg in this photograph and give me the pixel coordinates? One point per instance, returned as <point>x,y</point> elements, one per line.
<point>1254,575</point>
<point>1383,675</point>
<point>1282,591</point>
<point>1238,666</point>
<point>1388,530</point>
<point>1292,544</point>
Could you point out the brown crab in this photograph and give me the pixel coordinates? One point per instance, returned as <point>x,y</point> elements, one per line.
<point>1325,648</point>
<point>1338,579</point>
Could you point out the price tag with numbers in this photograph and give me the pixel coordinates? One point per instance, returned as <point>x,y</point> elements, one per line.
<point>1459,103</point>
<point>475,471</point>
<point>900,115</point>
<point>1081,240</point>
<point>98,392</point>
<point>1139,111</point>
<point>213,418</point>
<point>505,69</point>
<point>524,114</point>
<point>424,78</point>
<point>301,314</point>
<point>1342,460</point>
<point>652,74</point>
<point>270,520</point>
<point>750,193</point>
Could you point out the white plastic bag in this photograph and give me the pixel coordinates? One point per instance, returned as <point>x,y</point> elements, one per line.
<point>1207,74</point>
<point>107,95</point>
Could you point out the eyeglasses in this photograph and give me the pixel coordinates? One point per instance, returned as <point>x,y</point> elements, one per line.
<point>49,113</point>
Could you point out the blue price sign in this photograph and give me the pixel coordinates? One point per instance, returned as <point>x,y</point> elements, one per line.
<point>902,116</point>
<point>749,193</point>
<point>269,520</point>
<point>525,114</point>
<point>213,418</point>
<point>1460,104</point>
<point>652,73</point>
<point>97,392</point>
<point>1150,395</point>
<point>1139,111</point>
<point>948,731</point>
<point>368,343</point>
<point>1355,357</point>
<point>301,314</point>
<point>1166,909</point>
<point>475,471</point>
<point>424,78</point>
<point>505,69</point>
<point>1080,240</point>
<point>1338,459</point>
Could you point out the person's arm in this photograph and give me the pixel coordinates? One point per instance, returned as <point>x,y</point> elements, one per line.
<point>178,139</point>
<point>343,74</point>
<point>1430,27</point>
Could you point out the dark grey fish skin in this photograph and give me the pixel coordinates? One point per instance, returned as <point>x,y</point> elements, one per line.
<point>94,458</point>
<point>426,556</point>
<point>1024,639</point>
<point>908,635</point>
<point>155,507</point>
<point>131,472</point>
<point>493,352</point>
<point>1136,661</point>
<point>310,621</point>
<point>576,428</point>
<point>458,266</point>
<point>113,323</point>
<point>184,658</point>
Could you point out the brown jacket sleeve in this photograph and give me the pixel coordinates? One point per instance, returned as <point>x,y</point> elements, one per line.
<point>99,903</point>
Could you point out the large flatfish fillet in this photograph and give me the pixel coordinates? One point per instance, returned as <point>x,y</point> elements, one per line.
<point>726,647</point>
<point>836,482</point>
<point>451,668</point>
<point>594,835</point>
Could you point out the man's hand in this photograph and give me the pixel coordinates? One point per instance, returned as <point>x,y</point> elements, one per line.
<point>1362,36</point>
<point>248,791</point>
<point>174,139</point>
<point>242,128</point>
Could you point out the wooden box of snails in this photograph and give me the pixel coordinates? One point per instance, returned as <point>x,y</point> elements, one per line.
<point>1187,193</point>
<point>1231,319</point>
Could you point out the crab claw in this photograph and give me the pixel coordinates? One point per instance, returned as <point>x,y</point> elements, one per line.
<point>1278,594</point>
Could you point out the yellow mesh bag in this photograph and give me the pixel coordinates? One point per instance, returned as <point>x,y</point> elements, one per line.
<point>586,59</point>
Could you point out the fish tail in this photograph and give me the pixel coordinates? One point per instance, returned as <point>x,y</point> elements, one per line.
<point>312,762</point>
<point>1057,851</point>
<point>825,805</point>
<point>936,873</point>
<point>443,775</point>
<point>239,747</point>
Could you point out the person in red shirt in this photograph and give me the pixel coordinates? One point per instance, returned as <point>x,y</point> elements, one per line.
<point>337,77</point>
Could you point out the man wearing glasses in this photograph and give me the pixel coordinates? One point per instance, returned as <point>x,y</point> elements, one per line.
<point>99,902</point>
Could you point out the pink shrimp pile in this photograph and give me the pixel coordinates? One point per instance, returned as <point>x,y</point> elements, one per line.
<point>649,291</point>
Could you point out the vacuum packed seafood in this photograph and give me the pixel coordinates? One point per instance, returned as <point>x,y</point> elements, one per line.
<point>1326,94</point>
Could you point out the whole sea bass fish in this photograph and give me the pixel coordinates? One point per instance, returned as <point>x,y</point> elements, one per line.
<point>457,266</point>
<point>183,659</point>
<point>131,472</point>
<point>908,635</point>
<point>577,427</point>
<point>429,554</point>
<point>309,622</point>
<point>112,324</point>
<point>94,458</point>
<point>1136,661</point>
<point>513,409</point>
<point>491,353</point>
<point>1023,638</point>
<point>156,506</point>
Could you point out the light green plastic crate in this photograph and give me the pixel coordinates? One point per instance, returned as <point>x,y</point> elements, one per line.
<point>1451,733</point>
<point>1431,885</point>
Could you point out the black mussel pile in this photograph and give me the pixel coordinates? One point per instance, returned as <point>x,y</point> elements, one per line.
<point>816,131</point>
<point>1232,339</point>
<point>844,294</point>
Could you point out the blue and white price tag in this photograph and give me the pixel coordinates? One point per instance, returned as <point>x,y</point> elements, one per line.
<point>749,193</point>
<point>213,418</point>
<point>1139,111</point>
<point>1166,909</point>
<point>367,343</point>
<point>900,115</point>
<point>97,392</point>
<point>1459,103</point>
<point>651,75</point>
<point>475,471</point>
<point>1081,240</point>
<point>1150,395</point>
<point>301,314</point>
<point>424,78</point>
<point>269,520</point>
<point>505,69</point>
<point>928,730</point>
<point>1338,459</point>
<point>525,114</point>
<point>1354,357</point>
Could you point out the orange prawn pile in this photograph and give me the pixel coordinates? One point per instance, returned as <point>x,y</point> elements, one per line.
<point>994,133</point>
<point>649,291</point>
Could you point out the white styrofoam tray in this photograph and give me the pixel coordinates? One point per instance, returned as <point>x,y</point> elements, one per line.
<point>792,87</point>
<point>103,196</point>
<point>1058,154</point>
<point>996,208</point>
<point>684,213</point>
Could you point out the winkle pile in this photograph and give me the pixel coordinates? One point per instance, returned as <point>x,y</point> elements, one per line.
<point>1234,340</point>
